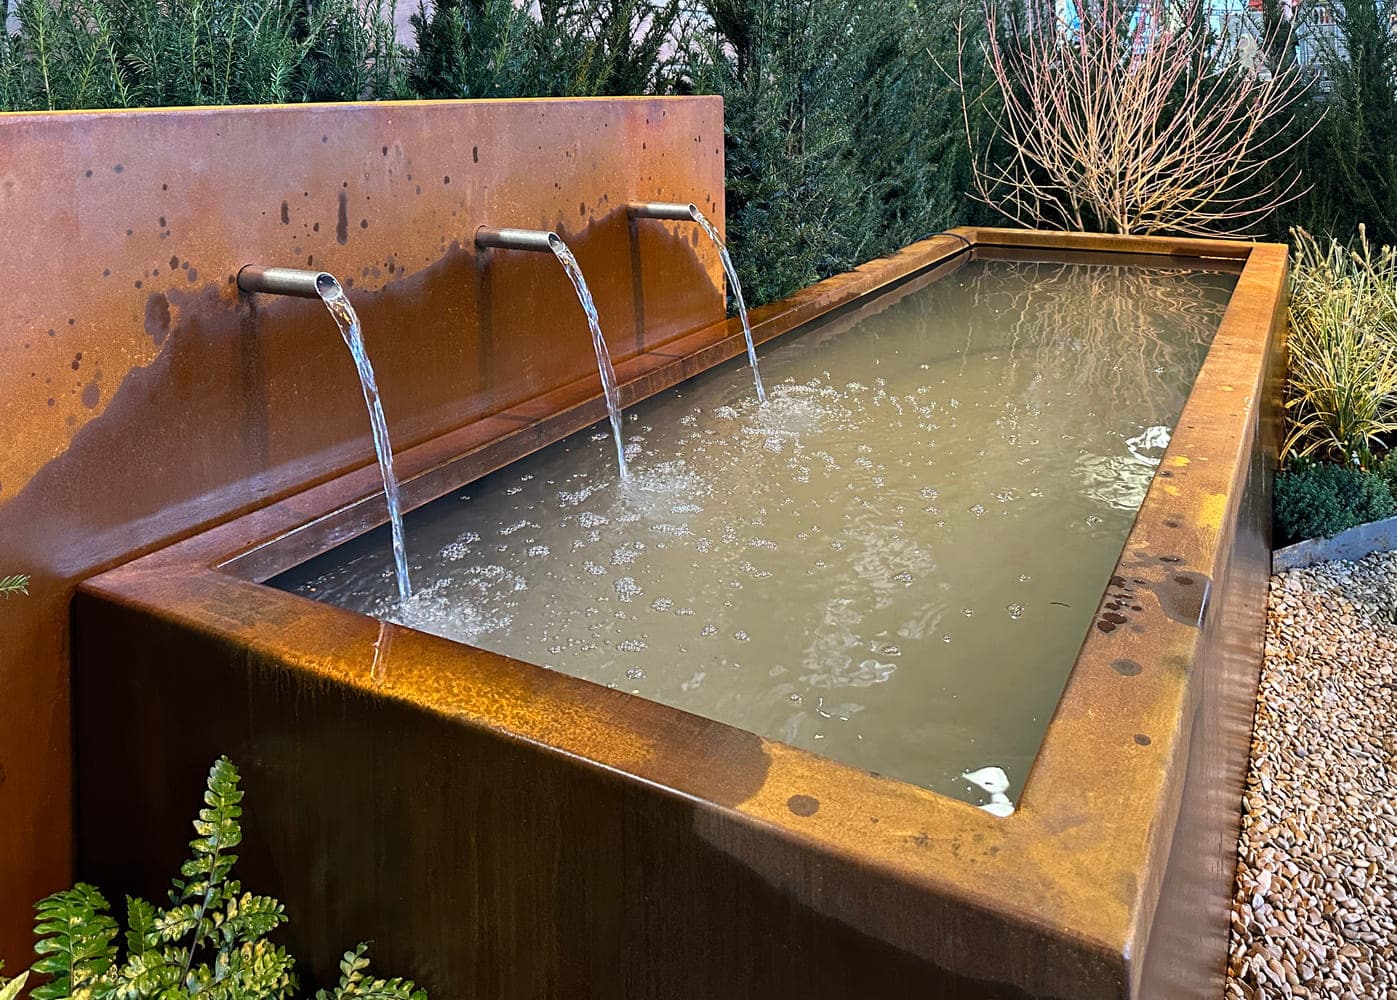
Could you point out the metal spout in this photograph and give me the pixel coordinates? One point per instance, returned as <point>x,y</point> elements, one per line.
<point>536,240</point>
<point>661,210</point>
<point>294,281</point>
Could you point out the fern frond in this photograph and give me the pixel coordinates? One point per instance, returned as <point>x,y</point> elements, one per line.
<point>355,983</point>
<point>248,917</point>
<point>76,943</point>
<point>256,969</point>
<point>206,886</point>
<point>13,585</point>
<point>154,973</point>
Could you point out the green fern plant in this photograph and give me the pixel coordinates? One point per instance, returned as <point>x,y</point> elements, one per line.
<point>10,585</point>
<point>211,941</point>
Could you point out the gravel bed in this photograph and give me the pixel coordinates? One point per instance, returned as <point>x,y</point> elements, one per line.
<point>1316,898</point>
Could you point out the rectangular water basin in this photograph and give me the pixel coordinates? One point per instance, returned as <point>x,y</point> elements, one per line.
<point>988,519</point>
<point>891,562</point>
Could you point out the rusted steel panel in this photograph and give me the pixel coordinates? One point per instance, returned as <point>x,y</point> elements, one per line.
<point>533,834</point>
<point>143,398</point>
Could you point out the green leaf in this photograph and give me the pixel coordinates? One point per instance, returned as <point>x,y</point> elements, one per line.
<point>76,943</point>
<point>10,585</point>
<point>141,934</point>
<point>10,989</point>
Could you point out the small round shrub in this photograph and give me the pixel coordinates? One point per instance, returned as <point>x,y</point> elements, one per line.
<point>1317,501</point>
<point>1387,468</point>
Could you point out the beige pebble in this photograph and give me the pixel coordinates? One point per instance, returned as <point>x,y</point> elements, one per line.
<point>1315,909</point>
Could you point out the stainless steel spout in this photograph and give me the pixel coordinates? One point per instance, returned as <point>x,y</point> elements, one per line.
<point>536,240</point>
<point>295,281</point>
<point>661,210</point>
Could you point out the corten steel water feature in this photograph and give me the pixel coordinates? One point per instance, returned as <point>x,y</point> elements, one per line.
<point>504,830</point>
<point>143,398</point>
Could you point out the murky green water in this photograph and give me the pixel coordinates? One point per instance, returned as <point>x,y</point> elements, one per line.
<point>892,562</point>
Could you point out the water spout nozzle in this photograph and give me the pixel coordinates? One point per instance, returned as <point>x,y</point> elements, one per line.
<point>294,281</point>
<point>535,240</point>
<point>662,210</point>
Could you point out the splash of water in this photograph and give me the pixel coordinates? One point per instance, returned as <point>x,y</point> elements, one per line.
<point>338,303</point>
<point>737,294</point>
<point>608,374</point>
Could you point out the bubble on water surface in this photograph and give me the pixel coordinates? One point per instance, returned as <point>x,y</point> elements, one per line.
<point>627,589</point>
<point>1015,611</point>
<point>574,498</point>
<point>627,553</point>
<point>631,645</point>
<point>635,674</point>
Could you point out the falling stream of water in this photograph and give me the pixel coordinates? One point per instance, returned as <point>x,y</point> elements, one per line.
<point>608,374</point>
<point>737,294</point>
<point>338,303</point>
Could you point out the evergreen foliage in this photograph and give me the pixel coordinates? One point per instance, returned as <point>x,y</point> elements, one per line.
<point>554,48</point>
<point>1350,157</point>
<point>211,941</point>
<point>139,53</point>
<point>1319,501</point>
<point>842,132</point>
<point>10,585</point>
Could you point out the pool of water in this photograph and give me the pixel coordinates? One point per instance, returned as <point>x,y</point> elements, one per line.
<point>892,562</point>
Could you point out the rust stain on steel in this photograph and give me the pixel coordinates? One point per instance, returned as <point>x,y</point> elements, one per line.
<point>706,868</point>
<point>144,399</point>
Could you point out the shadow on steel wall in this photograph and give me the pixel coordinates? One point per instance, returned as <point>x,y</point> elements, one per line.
<point>143,398</point>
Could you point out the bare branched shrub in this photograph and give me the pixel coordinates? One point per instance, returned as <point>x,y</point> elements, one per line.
<point>1131,118</point>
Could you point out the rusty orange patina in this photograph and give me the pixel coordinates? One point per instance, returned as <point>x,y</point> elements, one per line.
<point>515,832</point>
<point>143,399</point>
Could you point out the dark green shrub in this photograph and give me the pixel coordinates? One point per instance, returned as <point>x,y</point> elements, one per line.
<point>1350,158</point>
<point>843,133</point>
<point>211,941</point>
<point>1387,468</point>
<point>1318,501</point>
<point>554,48</point>
<point>141,53</point>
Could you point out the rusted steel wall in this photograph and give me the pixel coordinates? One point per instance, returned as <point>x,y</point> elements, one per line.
<point>143,398</point>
